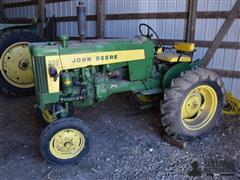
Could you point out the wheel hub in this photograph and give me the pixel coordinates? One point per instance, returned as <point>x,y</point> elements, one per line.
<point>23,64</point>
<point>67,144</point>
<point>193,104</point>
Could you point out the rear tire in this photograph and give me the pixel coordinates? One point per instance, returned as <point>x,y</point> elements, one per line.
<point>193,104</point>
<point>65,141</point>
<point>16,77</point>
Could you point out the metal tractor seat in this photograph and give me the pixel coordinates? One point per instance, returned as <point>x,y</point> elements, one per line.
<point>183,53</point>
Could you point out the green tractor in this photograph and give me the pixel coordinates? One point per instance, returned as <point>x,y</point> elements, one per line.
<point>16,77</point>
<point>76,73</point>
<point>86,72</point>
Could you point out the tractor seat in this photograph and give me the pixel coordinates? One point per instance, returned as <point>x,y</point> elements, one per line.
<point>184,46</point>
<point>173,57</point>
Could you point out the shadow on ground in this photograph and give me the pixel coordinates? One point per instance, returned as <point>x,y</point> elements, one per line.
<point>127,143</point>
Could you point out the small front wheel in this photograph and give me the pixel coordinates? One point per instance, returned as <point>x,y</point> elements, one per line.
<point>65,141</point>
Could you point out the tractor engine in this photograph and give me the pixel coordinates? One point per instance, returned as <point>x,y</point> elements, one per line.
<point>87,85</point>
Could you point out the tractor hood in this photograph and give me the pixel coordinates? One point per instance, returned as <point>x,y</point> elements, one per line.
<point>89,46</point>
<point>74,54</point>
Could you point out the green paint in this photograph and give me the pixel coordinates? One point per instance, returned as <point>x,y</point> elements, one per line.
<point>90,85</point>
<point>49,98</point>
<point>44,49</point>
<point>174,72</point>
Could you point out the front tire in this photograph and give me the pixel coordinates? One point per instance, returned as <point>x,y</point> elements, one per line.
<point>65,141</point>
<point>193,104</point>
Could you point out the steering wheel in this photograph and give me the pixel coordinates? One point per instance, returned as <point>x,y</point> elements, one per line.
<point>148,35</point>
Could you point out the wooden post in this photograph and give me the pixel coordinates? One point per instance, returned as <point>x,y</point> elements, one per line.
<point>100,30</point>
<point>191,23</point>
<point>3,18</point>
<point>41,16</point>
<point>222,32</point>
<point>1,7</point>
<point>52,29</point>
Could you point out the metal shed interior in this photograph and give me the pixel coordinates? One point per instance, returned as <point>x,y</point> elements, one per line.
<point>131,140</point>
<point>168,17</point>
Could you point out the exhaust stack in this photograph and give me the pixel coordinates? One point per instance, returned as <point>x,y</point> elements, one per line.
<point>82,22</point>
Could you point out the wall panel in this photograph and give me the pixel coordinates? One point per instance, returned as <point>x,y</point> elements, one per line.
<point>206,29</point>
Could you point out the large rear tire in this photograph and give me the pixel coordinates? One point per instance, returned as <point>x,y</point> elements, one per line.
<point>16,77</point>
<point>193,104</point>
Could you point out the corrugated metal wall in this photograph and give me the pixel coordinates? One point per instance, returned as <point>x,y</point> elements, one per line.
<point>69,9</point>
<point>170,28</point>
<point>206,29</point>
<point>28,11</point>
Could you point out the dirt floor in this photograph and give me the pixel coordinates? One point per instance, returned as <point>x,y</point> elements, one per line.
<point>127,144</point>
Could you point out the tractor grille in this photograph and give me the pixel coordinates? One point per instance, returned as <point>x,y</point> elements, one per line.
<point>40,75</point>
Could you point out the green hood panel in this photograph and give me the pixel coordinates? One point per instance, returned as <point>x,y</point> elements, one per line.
<point>76,47</point>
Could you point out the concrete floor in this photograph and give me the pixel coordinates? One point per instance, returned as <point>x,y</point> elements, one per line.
<point>127,144</point>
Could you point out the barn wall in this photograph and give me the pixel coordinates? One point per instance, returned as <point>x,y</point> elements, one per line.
<point>58,9</point>
<point>206,29</point>
<point>167,28</point>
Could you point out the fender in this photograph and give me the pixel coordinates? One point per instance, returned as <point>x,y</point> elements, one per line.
<point>176,71</point>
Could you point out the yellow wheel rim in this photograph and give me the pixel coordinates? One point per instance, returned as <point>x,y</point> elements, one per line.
<point>48,116</point>
<point>199,107</point>
<point>16,65</point>
<point>67,144</point>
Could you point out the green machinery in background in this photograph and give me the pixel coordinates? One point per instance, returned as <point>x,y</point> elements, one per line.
<point>84,73</point>
<point>16,77</point>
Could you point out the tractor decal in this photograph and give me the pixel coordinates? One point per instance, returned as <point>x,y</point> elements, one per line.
<point>72,61</point>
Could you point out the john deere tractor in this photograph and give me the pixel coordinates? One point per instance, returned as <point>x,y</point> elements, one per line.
<point>84,73</point>
<point>16,77</point>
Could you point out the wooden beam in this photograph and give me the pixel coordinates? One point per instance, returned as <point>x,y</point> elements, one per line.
<point>213,14</point>
<point>19,4</point>
<point>100,28</point>
<point>127,16</point>
<point>227,73</point>
<point>41,16</point>
<point>74,18</point>
<point>1,7</point>
<point>225,45</point>
<point>29,3</point>
<point>191,22</point>
<point>19,21</point>
<point>222,32</point>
